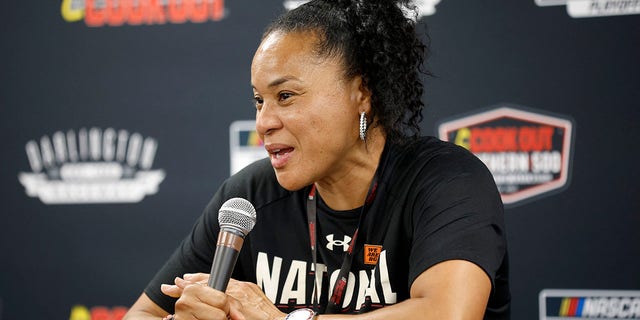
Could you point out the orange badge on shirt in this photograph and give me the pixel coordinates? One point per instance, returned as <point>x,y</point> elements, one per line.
<point>371,254</point>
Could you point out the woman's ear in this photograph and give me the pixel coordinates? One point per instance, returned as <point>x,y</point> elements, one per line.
<point>362,94</point>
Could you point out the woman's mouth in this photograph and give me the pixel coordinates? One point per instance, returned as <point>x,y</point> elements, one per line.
<point>279,156</point>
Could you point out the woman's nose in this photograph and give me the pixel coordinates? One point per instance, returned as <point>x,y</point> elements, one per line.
<point>267,119</point>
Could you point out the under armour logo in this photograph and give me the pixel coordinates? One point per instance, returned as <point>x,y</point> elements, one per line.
<point>344,243</point>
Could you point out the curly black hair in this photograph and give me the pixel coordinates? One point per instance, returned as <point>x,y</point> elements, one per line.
<point>376,41</point>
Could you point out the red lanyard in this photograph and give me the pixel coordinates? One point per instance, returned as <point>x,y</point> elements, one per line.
<point>337,296</point>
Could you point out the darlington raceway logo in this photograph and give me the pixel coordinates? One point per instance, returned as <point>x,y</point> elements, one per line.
<point>92,166</point>
<point>424,7</point>
<point>558,304</point>
<point>528,153</point>
<point>595,8</point>
<point>98,13</point>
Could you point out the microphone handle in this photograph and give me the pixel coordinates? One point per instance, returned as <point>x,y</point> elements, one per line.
<point>227,250</point>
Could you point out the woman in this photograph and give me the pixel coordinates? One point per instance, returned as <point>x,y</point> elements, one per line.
<point>405,227</point>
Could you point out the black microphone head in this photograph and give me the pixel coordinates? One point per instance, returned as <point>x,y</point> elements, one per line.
<point>237,213</point>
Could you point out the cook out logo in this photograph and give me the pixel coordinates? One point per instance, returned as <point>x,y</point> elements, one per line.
<point>98,13</point>
<point>92,166</point>
<point>528,153</point>
<point>424,7</point>
<point>558,304</point>
<point>595,8</point>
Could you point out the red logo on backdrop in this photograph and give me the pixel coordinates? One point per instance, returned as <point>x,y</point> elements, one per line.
<point>528,153</point>
<point>80,312</point>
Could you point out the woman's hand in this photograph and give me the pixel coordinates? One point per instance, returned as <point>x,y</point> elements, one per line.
<point>196,300</point>
<point>255,304</point>
<point>199,301</point>
<point>243,300</point>
<point>175,290</point>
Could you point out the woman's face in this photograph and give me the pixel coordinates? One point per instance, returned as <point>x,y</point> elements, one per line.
<point>307,114</point>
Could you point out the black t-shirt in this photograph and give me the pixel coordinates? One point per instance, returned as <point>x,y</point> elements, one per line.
<point>435,201</point>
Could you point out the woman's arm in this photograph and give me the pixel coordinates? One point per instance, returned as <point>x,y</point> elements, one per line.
<point>145,308</point>
<point>454,289</point>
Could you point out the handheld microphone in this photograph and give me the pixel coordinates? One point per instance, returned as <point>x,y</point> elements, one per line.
<point>237,217</point>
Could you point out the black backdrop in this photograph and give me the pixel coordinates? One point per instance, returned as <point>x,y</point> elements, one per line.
<point>183,84</point>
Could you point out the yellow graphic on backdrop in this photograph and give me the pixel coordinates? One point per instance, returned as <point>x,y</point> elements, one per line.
<point>72,10</point>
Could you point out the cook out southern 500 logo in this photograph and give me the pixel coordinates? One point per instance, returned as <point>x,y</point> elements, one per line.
<point>92,166</point>
<point>98,13</point>
<point>528,153</point>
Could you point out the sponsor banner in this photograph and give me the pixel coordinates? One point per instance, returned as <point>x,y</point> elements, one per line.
<point>544,3</point>
<point>559,304</point>
<point>529,153</point>
<point>424,7</point>
<point>91,166</point>
<point>599,8</point>
<point>80,312</point>
<point>245,144</point>
<point>99,13</point>
<point>595,8</point>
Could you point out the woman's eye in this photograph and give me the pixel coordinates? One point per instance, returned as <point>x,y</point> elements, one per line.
<point>257,101</point>
<point>285,95</point>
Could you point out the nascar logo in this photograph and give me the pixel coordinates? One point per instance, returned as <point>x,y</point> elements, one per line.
<point>245,144</point>
<point>589,304</point>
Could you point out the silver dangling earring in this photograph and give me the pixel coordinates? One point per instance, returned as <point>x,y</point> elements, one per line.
<point>363,126</point>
